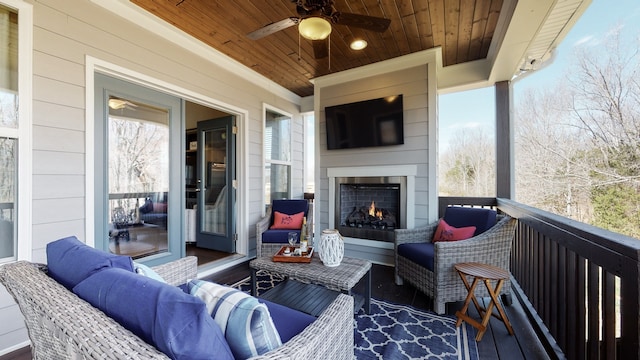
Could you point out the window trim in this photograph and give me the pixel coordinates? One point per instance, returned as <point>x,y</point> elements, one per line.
<point>266,107</point>
<point>23,133</point>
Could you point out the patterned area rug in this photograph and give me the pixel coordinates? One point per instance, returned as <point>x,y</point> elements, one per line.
<point>395,331</point>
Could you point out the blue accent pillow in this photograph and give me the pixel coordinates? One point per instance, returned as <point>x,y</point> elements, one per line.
<point>144,270</point>
<point>70,261</point>
<point>482,219</point>
<point>245,322</point>
<point>162,315</point>
<point>288,322</point>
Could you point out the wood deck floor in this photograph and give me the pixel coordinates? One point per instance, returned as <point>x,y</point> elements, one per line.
<point>496,343</point>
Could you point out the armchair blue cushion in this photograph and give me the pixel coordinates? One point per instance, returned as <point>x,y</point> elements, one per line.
<point>482,219</point>
<point>419,253</point>
<point>288,207</point>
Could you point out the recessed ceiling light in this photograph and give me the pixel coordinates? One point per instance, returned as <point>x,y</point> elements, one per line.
<point>358,44</point>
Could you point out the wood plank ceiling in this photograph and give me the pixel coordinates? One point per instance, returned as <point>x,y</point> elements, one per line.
<point>463,28</point>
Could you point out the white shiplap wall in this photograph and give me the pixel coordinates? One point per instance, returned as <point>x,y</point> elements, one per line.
<point>65,34</point>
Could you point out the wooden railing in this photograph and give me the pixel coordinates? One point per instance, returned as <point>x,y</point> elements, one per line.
<point>579,283</point>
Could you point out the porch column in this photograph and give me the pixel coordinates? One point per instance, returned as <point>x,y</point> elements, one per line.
<point>505,175</point>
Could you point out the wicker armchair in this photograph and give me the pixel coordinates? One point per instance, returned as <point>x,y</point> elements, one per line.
<point>269,248</point>
<point>443,284</point>
<point>63,326</point>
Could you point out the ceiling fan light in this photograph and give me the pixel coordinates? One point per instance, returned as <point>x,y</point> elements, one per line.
<point>314,28</point>
<point>358,44</point>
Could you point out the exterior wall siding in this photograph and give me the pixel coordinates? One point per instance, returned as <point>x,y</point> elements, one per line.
<point>413,83</point>
<point>65,33</point>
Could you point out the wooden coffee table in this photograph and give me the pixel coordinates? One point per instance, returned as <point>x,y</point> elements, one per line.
<point>340,278</point>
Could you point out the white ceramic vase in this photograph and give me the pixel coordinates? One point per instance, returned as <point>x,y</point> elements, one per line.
<point>331,247</point>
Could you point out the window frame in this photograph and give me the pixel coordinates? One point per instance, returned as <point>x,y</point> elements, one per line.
<point>23,132</point>
<point>265,162</point>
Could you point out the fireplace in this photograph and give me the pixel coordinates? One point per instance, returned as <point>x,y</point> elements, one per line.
<point>370,207</point>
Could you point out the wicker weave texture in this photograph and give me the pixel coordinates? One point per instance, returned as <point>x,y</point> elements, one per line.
<point>63,326</point>
<point>443,285</point>
<point>263,225</point>
<point>340,278</point>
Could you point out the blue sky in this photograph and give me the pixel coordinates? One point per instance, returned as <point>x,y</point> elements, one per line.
<point>478,113</point>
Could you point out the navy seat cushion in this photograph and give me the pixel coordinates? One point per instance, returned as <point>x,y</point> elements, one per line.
<point>289,207</point>
<point>277,236</point>
<point>482,219</point>
<point>419,253</point>
<point>177,323</point>
<point>288,322</point>
<point>70,261</point>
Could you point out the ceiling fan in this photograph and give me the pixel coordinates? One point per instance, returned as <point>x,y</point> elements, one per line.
<point>318,15</point>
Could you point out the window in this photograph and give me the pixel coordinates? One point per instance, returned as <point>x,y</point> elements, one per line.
<point>14,126</point>
<point>277,155</point>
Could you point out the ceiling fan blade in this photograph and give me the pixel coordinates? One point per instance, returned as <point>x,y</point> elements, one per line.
<point>320,48</point>
<point>366,22</point>
<point>273,28</point>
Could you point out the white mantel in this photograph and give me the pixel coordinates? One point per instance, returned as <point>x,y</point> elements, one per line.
<point>407,171</point>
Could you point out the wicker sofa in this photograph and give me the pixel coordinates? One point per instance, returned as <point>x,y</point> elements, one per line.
<point>63,326</point>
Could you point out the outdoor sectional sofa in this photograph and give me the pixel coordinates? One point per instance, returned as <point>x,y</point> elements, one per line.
<point>61,325</point>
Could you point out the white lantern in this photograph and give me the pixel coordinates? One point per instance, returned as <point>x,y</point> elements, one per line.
<point>331,247</point>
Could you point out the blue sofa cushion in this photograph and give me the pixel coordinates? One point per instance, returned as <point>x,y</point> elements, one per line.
<point>162,315</point>
<point>482,219</point>
<point>245,322</point>
<point>70,261</point>
<point>419,253</point>
<point>288,322</point>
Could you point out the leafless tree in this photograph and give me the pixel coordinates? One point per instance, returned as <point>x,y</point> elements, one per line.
<point>467,167</point>
<point>578,143</point>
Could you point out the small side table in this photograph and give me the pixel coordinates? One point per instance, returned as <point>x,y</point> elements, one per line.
<point>485,273</point>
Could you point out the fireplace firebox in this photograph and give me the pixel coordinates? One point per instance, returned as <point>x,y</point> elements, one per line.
<point>370,207</point>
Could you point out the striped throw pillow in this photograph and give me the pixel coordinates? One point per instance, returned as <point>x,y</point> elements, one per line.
<point>245,322</point>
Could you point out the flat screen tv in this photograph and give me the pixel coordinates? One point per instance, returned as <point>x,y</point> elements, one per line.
<point>369,123</point>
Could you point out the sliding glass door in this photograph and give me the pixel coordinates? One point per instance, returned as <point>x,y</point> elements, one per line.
<point>138,179</point>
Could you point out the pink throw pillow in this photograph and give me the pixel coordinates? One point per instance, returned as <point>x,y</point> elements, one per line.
<point>287,222</point>
<point>446,232</point>
<point>159,207</point>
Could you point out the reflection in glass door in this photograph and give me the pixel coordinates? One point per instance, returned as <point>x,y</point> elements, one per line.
<point>216,194</point>
<point>138,153</point>
<point>139,185</point>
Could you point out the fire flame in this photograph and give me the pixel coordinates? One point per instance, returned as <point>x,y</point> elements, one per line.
<point>375,212</point>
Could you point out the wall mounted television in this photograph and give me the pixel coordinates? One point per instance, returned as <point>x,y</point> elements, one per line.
<point>369,123</point>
